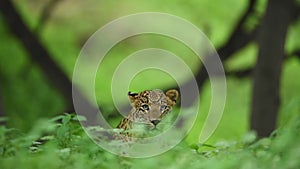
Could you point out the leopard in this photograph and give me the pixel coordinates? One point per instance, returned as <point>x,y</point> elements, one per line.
<point>148,108</point>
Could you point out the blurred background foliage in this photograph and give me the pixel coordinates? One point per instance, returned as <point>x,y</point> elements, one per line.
<point>28,97</point>
<point>33,109</point>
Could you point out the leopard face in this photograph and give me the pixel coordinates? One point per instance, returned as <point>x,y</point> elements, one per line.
<point>150,106</point>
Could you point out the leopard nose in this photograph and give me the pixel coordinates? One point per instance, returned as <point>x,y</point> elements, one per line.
<point>155,122</point>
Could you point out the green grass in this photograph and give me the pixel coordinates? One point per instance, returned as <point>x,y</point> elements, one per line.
<point>69,147</point>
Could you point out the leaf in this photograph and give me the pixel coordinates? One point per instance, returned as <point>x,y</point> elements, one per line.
<point>66,119</point>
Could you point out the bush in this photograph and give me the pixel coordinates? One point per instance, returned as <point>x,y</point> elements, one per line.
<point>52,144</point>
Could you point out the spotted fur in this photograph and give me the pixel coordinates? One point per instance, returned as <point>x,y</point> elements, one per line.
<point>148,109</point>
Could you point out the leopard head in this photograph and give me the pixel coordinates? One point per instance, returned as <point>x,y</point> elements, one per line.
<point>150,106</point>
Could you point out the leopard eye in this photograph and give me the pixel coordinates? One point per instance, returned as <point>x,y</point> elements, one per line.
<point>145,107</point>
<point>163,107</point>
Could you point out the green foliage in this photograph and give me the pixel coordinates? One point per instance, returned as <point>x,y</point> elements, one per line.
<point>70,147</point>
<point>28,96</point>
<point>70,25</point>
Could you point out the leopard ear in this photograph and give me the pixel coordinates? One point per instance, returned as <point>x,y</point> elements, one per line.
<point>132,96</point>
<point>172,96</point>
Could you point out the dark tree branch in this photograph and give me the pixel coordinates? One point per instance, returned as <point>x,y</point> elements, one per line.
<point>296,54</point>
<point>238,39</point>
<point>42,58</point>
<point>240,73</point>
<point>46,14</point>
<point>248,71</point>
<point>36,51</point>
<point>295,14</point>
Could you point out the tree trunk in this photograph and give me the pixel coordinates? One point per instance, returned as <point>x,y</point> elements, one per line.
<point>267,72</point>
<point>36,51</point>
<point>41,56</point>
